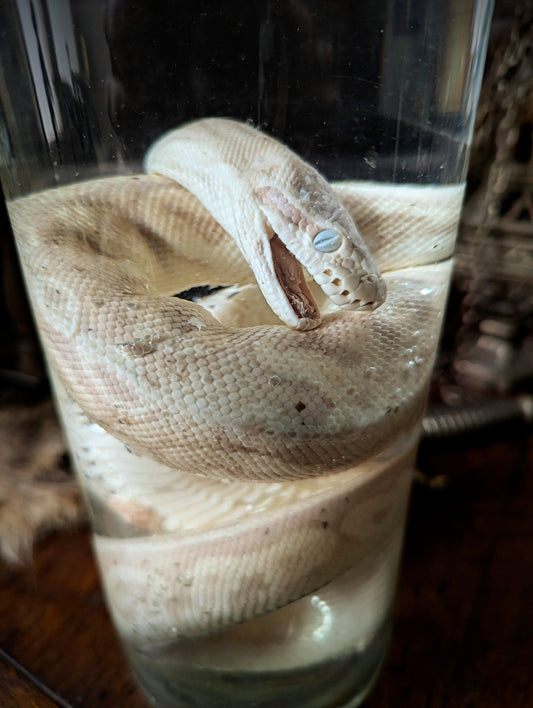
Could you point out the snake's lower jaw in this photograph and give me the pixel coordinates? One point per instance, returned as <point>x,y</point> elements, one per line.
<point>290,277</point>
<point>305,323</point>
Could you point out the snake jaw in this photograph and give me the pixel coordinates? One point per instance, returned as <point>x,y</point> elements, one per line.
<point>279,276</point>
<point>291,279</point>
<point>346,273</point>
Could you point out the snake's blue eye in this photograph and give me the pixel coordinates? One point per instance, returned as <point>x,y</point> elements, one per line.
<point>327,241</point>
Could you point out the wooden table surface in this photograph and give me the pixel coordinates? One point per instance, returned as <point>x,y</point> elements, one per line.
<point>463,617</point>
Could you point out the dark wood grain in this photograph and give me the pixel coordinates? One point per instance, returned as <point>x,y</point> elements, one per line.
<point>54,623</point>
<point>20,689</point>
<point>463,619</point>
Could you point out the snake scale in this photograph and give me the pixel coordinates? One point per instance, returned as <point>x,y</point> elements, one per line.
<point>329,367</point>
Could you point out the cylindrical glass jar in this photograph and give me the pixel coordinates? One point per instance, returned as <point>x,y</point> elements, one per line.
<point>247,481</point>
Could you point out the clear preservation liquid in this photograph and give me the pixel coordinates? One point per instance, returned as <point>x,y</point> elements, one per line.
<point>380,97</point>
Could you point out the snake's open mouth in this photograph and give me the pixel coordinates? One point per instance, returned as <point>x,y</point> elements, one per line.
<point>290,276</point>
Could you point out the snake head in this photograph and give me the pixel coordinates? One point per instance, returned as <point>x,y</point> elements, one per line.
<point>313,228</point>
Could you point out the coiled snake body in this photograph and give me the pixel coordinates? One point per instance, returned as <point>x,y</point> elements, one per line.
<point>333,377</point>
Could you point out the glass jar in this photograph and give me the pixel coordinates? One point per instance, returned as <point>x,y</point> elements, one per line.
<point>244,433</point>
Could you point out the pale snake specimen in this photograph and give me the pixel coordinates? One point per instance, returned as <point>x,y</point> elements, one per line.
<point>239,402</point>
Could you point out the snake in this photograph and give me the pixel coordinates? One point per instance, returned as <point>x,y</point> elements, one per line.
<point>312,359</point>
